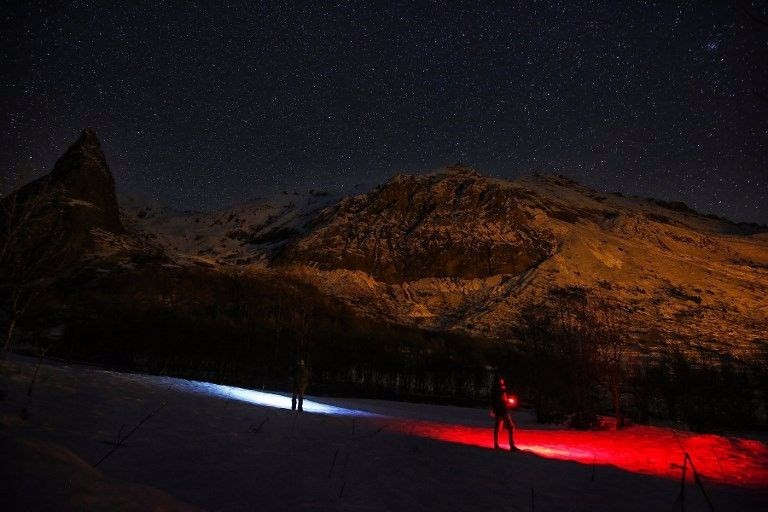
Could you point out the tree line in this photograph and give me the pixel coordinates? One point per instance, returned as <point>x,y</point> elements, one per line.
<point>574,361</point>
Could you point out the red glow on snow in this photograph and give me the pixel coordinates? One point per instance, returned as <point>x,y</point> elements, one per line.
<point>640,449</point>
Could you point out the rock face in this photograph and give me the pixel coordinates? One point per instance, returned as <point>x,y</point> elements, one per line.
<point>457,251</point>
<point>88,186</point>
<point>59,211</point>
<point>450,224</point>
<point>448,251</point>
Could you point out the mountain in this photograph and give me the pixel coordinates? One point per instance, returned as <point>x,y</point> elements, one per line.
<point>449,251</point>
<point>455,224</point>
<point>242,235</point>
<point>87,184</point>
<point>65,207</point>
<point>457,251</point>
<point>409,290</point>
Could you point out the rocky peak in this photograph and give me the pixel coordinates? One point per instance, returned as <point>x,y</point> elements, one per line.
<point>446,224</point>
<point>82,158</point>
<point>84,176</point>
<point>76,197</point>
<point>88,138</point>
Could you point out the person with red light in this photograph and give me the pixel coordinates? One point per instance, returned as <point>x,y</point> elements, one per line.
<point>501,403</point>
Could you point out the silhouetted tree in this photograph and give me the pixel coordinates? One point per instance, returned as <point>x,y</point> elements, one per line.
<point>29,252</point>
<point>612,353</point>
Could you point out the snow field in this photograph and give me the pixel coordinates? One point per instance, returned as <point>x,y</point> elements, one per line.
<point>221,448</point>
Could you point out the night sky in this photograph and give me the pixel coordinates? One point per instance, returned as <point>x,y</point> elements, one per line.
<point>205,104</point>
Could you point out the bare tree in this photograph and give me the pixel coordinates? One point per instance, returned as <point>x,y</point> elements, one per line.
<point>28,249</point>
<point>573,350</point>
<point>612,354</point>
<point>578,344</point>
<point>757,361</point>
<point>303,326</point>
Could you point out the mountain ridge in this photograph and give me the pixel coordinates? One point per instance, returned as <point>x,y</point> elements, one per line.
<point>671,271</point>
<point>450,250</point>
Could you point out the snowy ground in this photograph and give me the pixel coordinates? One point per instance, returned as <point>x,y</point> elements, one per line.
<point>221,448</point>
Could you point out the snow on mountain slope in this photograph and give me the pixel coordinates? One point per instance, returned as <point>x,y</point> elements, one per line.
<point>454,250</point>
<point>241,235</point>
<point>468,252</point>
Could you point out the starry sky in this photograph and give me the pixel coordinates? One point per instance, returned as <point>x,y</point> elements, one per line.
<point>202,105</point>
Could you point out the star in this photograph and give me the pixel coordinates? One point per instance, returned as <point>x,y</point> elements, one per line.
<point>206,106</point>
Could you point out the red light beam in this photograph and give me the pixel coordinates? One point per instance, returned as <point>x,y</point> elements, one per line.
<point>640,449</point>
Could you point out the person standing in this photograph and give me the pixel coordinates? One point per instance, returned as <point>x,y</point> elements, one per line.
<point>300,380</point>
<point>500,402</point>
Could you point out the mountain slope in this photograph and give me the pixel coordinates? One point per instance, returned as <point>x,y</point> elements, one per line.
<point>242,235</point>
<point>447,251</point>
<point>454,250</point>
<point>449,225</point>
<point>59,211</point>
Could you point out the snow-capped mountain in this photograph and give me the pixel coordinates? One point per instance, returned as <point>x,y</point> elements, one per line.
<point>454,250</point>
<point>451,250</point>
<point>241,235</point>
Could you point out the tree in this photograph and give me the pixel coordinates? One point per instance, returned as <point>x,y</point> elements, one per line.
<point>578,342</point>
<point>573,350</point>
<point>757,359</point>
<point>29,251</point>
<point>612,355</point>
